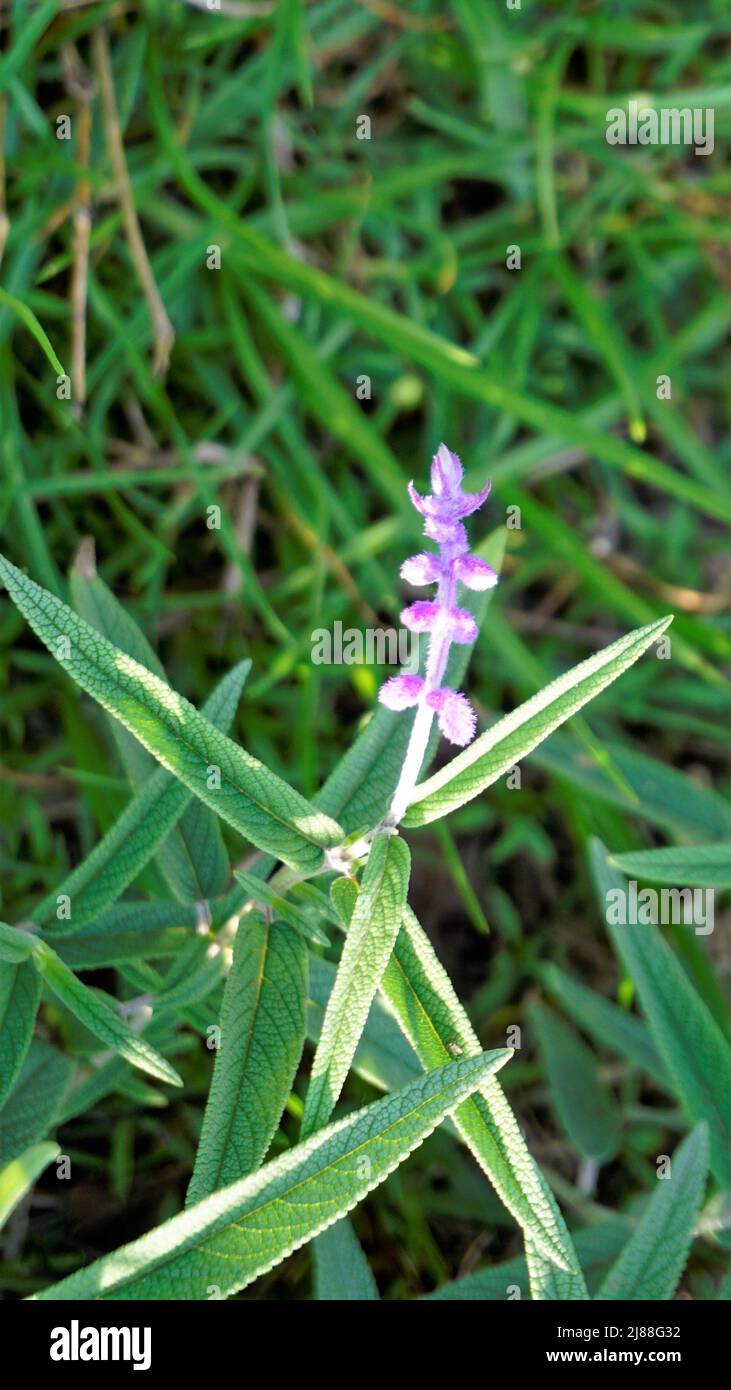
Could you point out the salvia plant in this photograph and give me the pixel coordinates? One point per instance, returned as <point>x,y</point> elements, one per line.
<point>313,939</point>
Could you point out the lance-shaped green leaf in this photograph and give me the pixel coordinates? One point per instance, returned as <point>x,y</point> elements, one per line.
<point>693,866</point>
<point>262,1034</point>
<point>130,843</point>
<point>654,1258</point>
<point>383,1056</point>
<point>240,1232</point>
<point>20,992</point>
<point>107,1072</point>
<point>230,781</point>
<point>689,1041</point>
<point>611,1027</point>
<point>518,733</point>
<point>342,1272</point>
<point>584,1104</point>
<point>649,790</point>
<point>547,1281</point>
<point>422,1000</point>
<point>595,1246</point>
<point>98,1016</point>
<point>35,1100</point>
<point>193,856</point>
<point>15,946</point>
<point>428,1011</point>
<point>373,929</point>
<point>97,605</point>
<point>20,1174</point>
<point>360,789</point>
<point>130,931</point>
<point>284,908</point>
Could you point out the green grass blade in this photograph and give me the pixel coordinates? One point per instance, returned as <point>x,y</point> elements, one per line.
<point>518,733</point>
<point>29,320</point>
<point>450,364</point>
<point>653,1260</point>
<point>230,1238</point>
<point>262,1034</point>
<point>251,798</point>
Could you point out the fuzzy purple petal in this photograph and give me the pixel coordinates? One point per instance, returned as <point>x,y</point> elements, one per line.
<point>417,501</point>
<point>455,715</point>
<point>475,573</point>
<point>422,616</point>
<point>469,502</point>
<point>462,626</point>
<point>401,692</point>
<point>421,569</point>
<point>446,472</point>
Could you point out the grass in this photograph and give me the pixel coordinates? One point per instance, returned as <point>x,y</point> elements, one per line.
<point>383,258</point>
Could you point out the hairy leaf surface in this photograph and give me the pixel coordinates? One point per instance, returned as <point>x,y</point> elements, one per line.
<point>689,1041</point>
<point>373,929</point>
<point>131,842</point>
<point>35,1100</point>
<point>240,1232</point>
<point>483,761</point>
<point>99,1017</point>
<point>20,992</point>
<point>20,1174</point>
<point>262,1034</point>
<point>434,1022</point>
<point>701,866</point>
<point>654,1258</point>
<point>584,1104</point>
<point>342,1272</point>
<point>250,797</point>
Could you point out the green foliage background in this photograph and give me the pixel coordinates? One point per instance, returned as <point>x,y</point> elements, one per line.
<point>343,258</point>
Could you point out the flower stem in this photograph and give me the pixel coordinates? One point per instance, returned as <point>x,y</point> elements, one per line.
<point>440,641</point>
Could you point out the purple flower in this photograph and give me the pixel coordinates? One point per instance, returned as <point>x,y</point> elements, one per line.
<point>401,692</point>
<point>456,717</point>
<point>441,617</point>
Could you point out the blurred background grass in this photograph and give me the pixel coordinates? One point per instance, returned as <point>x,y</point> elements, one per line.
<point>200,136</point>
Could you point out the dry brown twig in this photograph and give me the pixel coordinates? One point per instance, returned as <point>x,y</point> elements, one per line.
<point>161,325</point>
<point>80,86</point>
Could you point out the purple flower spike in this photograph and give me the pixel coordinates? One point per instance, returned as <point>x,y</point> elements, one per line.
<point>443,511</point>
<point>401,692</point>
